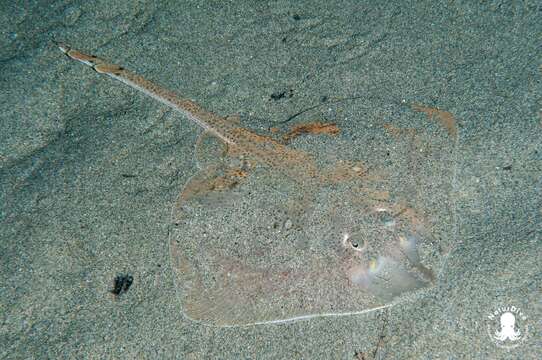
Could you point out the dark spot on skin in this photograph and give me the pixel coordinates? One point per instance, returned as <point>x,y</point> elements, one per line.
<point>121,284</point>
<point>296,17</point>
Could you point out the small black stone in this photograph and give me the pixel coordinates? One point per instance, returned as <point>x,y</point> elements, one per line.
<point>278,95</point>
<point>121,284</point>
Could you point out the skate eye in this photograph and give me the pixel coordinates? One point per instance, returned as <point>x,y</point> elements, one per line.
<point>353,243</point>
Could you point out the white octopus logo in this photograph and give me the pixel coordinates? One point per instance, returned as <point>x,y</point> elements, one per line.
<point>507,326</point>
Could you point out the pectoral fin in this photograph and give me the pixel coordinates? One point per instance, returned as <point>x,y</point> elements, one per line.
<point>211,185</point>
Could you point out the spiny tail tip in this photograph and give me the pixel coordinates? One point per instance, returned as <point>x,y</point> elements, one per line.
<point>63,47</point>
